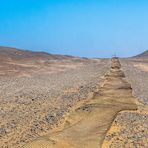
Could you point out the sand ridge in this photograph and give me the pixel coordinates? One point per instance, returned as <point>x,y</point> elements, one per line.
<point>88,122</point>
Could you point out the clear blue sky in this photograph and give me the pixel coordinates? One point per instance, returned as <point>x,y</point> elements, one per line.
<point>91,28</point>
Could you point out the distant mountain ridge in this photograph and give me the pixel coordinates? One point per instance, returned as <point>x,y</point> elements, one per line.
<point>143,55</point>
<point>19,54</point>
<point>16,62</point>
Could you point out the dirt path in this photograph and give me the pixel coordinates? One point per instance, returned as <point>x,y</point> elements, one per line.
<point>87,123</point>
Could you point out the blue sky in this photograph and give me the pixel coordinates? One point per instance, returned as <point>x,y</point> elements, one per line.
<point>91,28</point>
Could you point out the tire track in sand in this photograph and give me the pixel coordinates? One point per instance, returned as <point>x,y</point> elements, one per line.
<point>87,123</point>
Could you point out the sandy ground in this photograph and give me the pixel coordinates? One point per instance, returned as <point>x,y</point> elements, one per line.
<point>142,67</point>
<point>30,106</point>
<point>129,129</point>
<point>87,123</point>
<point>34,100</point>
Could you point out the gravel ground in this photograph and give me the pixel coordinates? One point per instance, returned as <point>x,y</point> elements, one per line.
<point>130,129</point>
<point>31,106</point>
<point>132,132</point>
<point>137,77</point>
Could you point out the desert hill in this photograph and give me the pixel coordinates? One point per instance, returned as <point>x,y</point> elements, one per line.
<point>24,62</point>
<point>19,54</point>
<point>143,55</point>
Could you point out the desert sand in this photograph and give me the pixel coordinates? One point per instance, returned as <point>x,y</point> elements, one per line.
<point>87,123</point>
<point>45,98</point>
<point>32,103</point>
<point>129,129</point>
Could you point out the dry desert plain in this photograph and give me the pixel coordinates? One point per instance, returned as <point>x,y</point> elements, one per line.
<point>39,90</point>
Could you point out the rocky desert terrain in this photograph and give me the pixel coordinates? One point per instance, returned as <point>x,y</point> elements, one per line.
<point>87,123</point>
<point>130,129</point>
<point>38,90</point>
